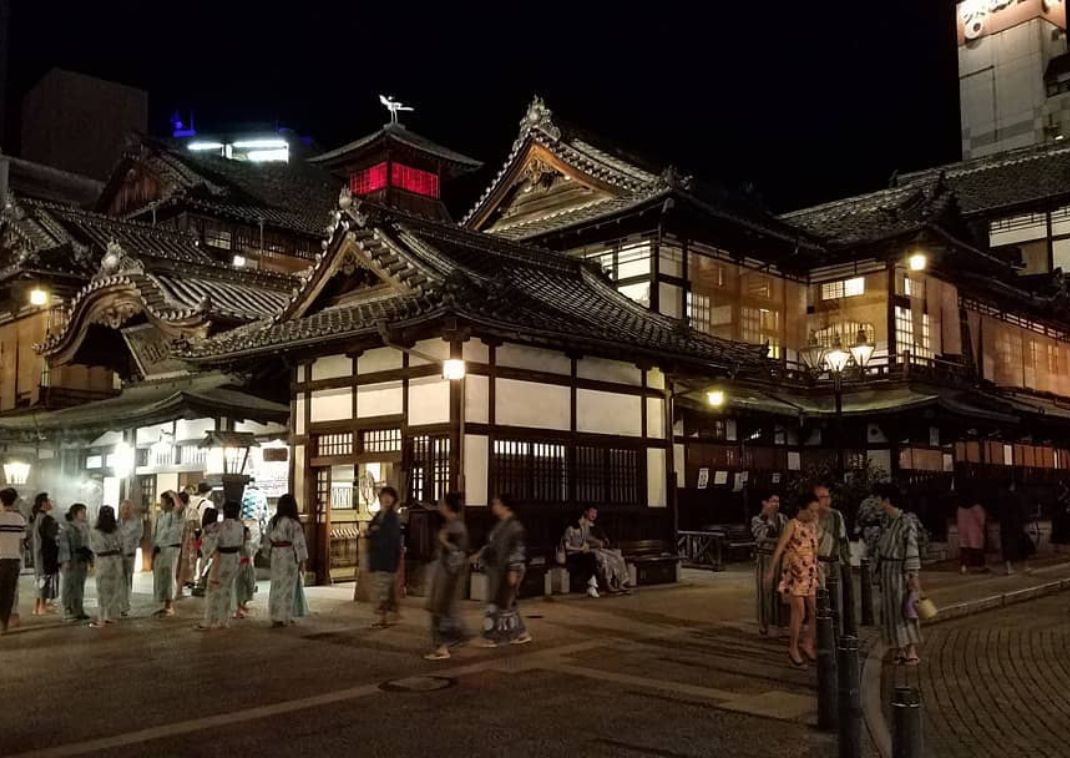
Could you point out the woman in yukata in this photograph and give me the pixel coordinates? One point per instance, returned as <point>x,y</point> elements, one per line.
<point>284,542</point>
<point>107,542</point>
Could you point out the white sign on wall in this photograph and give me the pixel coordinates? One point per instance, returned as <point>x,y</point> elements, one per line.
<point>976,18</point>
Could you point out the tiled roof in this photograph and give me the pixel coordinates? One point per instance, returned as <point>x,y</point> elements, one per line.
<point>501,288</point>
<point>635,183</point>
<point>293,196</point>
<point>1005,181</point>
<point>399,134</point>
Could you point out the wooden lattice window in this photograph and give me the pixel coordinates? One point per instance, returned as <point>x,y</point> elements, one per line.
<point>322,492</point>
<point>147,488</point>
<point>532,472</point>
<point>429,467</point>
<point>334,444</point>
<point>381,440</point>
<point>607,476</point>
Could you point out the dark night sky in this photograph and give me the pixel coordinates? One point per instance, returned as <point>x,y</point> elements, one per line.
<point>806,99</point>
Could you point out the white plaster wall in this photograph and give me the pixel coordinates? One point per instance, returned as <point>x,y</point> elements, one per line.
<point>165,483</point>
<point>379,359</point>
<point>655,379</point>
<point>655,417</point>
<point>193,429</point>
<point>603,370</point>
<point>655,478</point>
<point>518,403</point>
<point>332,405</point>
<point>383,399</point>
<point>438,349</point>
<point>608,413</point>
<point>476,351</point>
<point>332,367</point>
<point>429,401</point>
<point>257,428</point>
<point>670,300</point>
<point>299,414</point>
<point>533,359</point>
<point>147,435</point>
<point>678,462</point>
<point>476,449</point>
<point>477,399</point>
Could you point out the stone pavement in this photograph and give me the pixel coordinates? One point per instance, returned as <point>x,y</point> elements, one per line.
<point>991,679</point>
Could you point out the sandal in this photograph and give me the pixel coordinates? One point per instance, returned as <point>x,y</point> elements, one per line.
<point>436,655</point>
<point>797,663</point>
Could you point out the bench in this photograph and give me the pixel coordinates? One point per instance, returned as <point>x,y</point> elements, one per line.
<point>651,562</point>
<point>536,581</point>
<point>713,545</point>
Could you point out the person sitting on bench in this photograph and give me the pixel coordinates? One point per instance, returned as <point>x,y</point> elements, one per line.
<point>588,546</point>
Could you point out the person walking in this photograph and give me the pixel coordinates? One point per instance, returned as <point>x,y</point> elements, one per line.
<point>796,553</point>
<point>503,558</point>
<point>166,545</point>
<point>223,542</point>
<point>12,533</point>
<point>384,556</point>
<point>1060,519</point>
<point>191,562</point>
<point>1015,545</point>
<point>447,583</point>
<point>899,573</point>
<point>284,541</point>
<point>970,523</point>
<point>75,558</point>
<point>106,540</point>
<point>131,531</point>
<point>45,554</point>
<point>766,529</point>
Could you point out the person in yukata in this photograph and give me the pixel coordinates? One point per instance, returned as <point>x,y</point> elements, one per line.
<point>284,542</point>
<point>222,547</point>
<point>899,572</point>
<point>585,541</point>
<point>245,584</point>
<point>107,542</point>
<point>75,557</point>
<point>45,554</point>
<point>191,562</point>
<point>384,556</point>
<point>504,560</point>
<point>131,530</point>
<point>766,529</point>
<point>166,545</point>
<point>970,521</point>
<point>447,584</point>
<point>12,534</point>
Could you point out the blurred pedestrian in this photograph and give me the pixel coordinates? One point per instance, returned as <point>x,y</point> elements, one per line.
<point>796,554</point>
<point>284,540</point>
<point>1015,544</point>
<point>899,571</point>
<point>75,558</point>
<point>384,556</point>
<point>166,546</point>
<point>447,584</point>
<point>131,531</point>
<point>1060,519</point>
<point>223,542</point>
<point>12,533</point>
<point>107,543</point>
<point>45,554</point>
<point>970,524</point>
<point>766,529</point>
<point>503,559</point>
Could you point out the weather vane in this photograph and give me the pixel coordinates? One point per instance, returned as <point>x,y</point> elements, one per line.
<point>393,106</point>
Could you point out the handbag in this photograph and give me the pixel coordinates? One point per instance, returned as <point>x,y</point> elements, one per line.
<point>926,609</point>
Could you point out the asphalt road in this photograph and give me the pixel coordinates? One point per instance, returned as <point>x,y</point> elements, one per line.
<point>678,673</point>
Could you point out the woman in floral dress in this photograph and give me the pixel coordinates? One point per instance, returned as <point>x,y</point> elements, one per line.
<point>796,553</point>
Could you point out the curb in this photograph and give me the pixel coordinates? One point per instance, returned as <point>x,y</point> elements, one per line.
<point>872,669</point>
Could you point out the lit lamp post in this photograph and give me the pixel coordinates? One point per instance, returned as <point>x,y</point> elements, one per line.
<point>454,370</point>
<point>224,450</point>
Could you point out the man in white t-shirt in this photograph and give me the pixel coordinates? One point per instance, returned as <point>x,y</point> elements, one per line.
<point>12,532</point>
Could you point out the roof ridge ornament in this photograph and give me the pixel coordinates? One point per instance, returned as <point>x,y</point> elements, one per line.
<point>540,117</point>
<point>394,106</point>
<point>117,260</point>
<point>674,177</point>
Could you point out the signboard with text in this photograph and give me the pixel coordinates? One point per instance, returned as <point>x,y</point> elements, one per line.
<point>152,351</point>
<point>978,18</point>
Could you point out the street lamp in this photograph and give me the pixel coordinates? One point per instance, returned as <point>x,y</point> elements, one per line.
<point>453,369</point>
<point>813,355</point>
<point>715,398</point>
<point>918,261</point>
<point>862,349</point>
<point>38,297</point>
<point>837,357</point>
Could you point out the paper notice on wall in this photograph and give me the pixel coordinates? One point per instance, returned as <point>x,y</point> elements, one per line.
<point>776,477</point>
<point>720,477</point>
<point>794,461</point>
<point>739,480</point>
<point>703,478</point>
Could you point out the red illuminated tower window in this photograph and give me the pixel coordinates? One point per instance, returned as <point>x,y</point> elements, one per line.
<point>368,180</point>
<point>413,180</point>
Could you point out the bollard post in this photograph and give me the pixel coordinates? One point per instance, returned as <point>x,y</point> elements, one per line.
<point>850,698</point>
<point>906,723</point>
<point>826,671</point>
<point>832,584</point>
<point>867,593</point>
<point>850,616</point>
